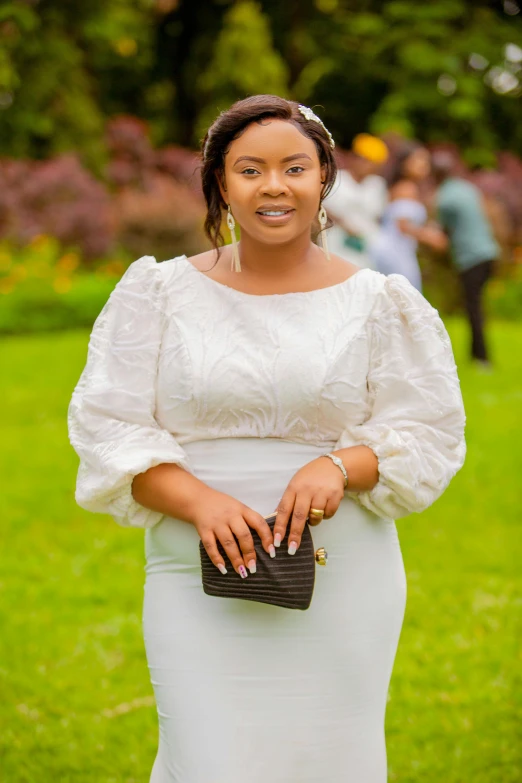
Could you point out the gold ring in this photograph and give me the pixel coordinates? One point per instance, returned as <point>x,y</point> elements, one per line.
<point>316,512</point>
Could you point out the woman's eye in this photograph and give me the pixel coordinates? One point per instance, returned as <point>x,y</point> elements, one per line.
<point>250,171</point>
<point>295,170</point>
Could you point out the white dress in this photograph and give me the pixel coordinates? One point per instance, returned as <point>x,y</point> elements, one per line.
<point>361,204</point>
<point>242,390</point>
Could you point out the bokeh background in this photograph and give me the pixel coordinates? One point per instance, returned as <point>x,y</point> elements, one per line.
<point>102,106</point>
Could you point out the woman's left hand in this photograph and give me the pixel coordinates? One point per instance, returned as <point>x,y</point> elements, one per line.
<point>319,485</point>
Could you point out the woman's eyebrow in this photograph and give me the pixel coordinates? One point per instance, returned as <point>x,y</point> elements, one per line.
<point>249,157</point>
<point>296,156</point>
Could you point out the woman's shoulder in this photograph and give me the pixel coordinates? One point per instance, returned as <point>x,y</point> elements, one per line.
<point>152,281</point>
<point>399,306</point>
<point>202,261</point>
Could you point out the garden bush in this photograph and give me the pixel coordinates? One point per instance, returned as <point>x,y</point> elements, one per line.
<point>42,309</point>
<point>58,198</point>
<point>44,289</point>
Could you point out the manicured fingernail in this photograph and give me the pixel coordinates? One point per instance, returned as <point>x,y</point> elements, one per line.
<point>222,568</point>
<point>271,551</point>
<point>292,548</point>
<point>242,572</point>
<point>277,539</point>
<point>252,566</point>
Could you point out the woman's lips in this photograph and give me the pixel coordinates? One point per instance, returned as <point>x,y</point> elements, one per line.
<point>274,219</point>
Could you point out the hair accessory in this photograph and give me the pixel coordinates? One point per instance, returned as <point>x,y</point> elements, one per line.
<point>231,223</point>
<point>308,114</point>
<point>323,220</point>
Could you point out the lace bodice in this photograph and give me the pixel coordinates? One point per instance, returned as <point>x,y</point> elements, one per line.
<point>176,357</point>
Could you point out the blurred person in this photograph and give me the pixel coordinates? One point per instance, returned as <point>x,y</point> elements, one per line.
<point>267,374</point>
<point>394,249</point>
<point>357,200</point>
<point>462,214</point>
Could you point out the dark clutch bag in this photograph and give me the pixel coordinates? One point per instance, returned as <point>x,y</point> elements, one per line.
<point>286,580</point>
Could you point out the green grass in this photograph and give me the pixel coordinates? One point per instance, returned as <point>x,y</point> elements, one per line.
<point>75,699</point>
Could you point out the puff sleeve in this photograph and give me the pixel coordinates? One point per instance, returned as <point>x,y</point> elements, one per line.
<point>111,419</point>
<point>416,424</point>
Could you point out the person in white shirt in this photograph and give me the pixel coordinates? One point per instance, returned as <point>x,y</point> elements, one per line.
<point>357,201</point>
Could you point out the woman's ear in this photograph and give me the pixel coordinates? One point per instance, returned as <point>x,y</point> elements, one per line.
<point>323,178</point>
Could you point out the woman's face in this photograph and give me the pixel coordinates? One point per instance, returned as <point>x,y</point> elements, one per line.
<point>273,181</point>
<point>417,166</point>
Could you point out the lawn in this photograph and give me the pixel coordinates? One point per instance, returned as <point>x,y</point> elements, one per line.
<point>76,704</point>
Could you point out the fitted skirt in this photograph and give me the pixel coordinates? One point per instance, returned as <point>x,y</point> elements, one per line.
<point>253,693</point>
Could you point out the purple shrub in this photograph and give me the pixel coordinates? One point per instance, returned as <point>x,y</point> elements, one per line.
<point>181,164</point>
<point>131,154</point>
<point>58,197</point>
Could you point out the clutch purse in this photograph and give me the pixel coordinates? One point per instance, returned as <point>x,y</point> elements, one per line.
<point>286,580</point>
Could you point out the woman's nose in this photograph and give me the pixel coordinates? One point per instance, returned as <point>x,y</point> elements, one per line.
<point>274,185</point>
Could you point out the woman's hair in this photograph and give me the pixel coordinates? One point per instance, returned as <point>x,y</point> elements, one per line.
<point>229,125</point>
<point>407,148</point>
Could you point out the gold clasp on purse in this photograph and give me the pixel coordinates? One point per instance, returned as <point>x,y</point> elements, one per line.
<point>321,556</point>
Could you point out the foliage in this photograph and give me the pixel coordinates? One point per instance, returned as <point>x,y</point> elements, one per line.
<point>43,288</point>
<point>53,57</point>
<point>504,295</point>
<point>433,70</point>
<point>444,70</point>
<point>150,203</point>
<point>57,197</point>
<point>243,63</point>
<point>158,206</point>
<point>165,220</point>
<point>77,704</point>
<point>30,309</point>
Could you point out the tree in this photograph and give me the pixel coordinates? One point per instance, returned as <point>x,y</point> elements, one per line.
<point>450,69</point>
<point>63,66</point>
<point>438,71</point>
<point>244,62</point>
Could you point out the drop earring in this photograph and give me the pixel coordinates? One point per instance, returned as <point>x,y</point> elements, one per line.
<point>323,220</point>
<point>235,265</point>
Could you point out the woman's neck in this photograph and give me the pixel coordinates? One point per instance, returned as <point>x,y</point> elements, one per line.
<point>267,261</point>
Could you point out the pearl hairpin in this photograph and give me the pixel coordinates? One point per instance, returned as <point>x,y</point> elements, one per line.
<point>308,114</point>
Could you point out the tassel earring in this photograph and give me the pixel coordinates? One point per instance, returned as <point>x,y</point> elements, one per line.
<point>231,223</point>
<point>323,220</point>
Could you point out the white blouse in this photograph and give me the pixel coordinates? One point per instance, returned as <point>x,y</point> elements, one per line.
<point>176,357</point>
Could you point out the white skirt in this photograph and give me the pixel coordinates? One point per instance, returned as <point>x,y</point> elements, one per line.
<point>252,693</point>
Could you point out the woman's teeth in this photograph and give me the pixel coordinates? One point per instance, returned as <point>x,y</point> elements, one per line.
<point>273,213</point>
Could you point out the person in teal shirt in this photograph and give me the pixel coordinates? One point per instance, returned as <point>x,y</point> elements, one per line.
<point>473,246</point>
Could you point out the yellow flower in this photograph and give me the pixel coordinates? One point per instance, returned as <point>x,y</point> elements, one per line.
<point>126,47</point>
<point>7,285</point>
<point>19,272</point>
<point>39,268</point>
<point>68,262</point>
<point>62,284</point>
<point>40,242</point>
<point>5,261</point>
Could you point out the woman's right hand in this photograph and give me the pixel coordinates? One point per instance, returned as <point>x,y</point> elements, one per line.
<point>220,517</point>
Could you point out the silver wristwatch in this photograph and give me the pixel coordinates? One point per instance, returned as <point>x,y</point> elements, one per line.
<point>338,461</point>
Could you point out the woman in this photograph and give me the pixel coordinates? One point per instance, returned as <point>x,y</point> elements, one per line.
<point>209,398</point>
<point>394,250</point>
<point>358,199</point>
